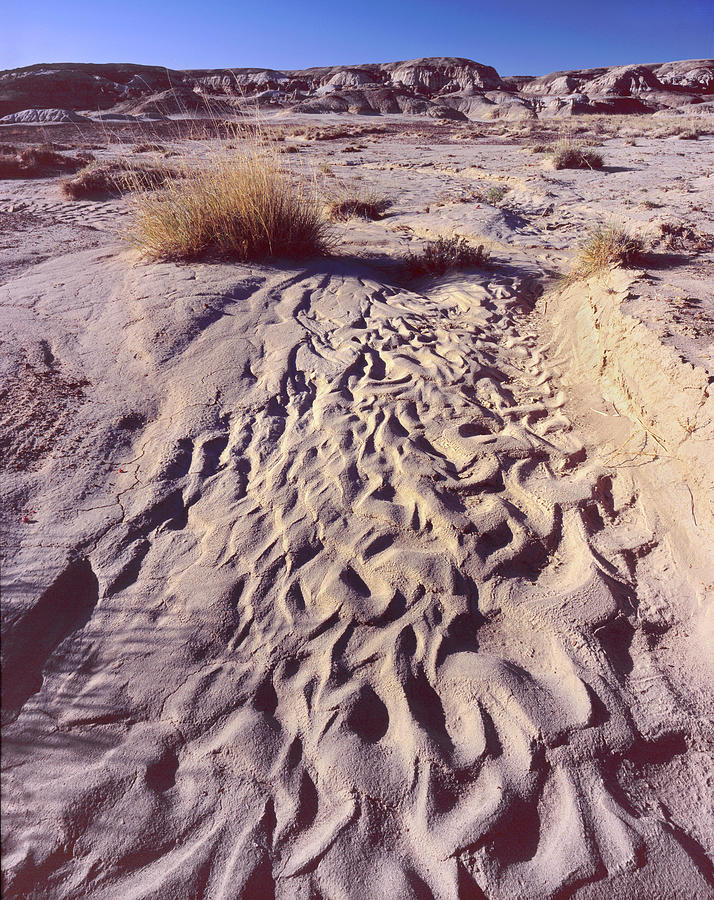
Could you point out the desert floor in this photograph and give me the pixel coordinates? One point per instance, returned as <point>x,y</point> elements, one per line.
<point>323,583</point>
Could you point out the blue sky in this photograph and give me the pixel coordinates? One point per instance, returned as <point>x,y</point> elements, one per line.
<point>521,37</point>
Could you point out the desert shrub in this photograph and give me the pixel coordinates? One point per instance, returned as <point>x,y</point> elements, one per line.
<point>443,255</point>
<point>39,162</point>
<point>239,205</point>
<point>495,194</point>
<point>607,246</point>
<point>568,155</point>
<point>112,179</point>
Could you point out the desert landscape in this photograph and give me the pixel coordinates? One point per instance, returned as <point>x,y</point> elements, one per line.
<point>357,446</point>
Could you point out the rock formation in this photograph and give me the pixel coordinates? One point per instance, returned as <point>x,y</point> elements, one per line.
<point>448,87</point>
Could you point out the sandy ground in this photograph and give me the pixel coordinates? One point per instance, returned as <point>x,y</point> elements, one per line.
<point>320,584</point>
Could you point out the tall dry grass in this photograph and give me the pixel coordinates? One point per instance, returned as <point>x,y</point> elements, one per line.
<point>237,202</point>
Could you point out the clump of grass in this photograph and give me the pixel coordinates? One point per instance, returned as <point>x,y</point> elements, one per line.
<point>239,205</point>
<point>607,246</point>
<point>39,162</point>
<point>356,205</point>
<point>569,155</point>
<point>443,255</point>
<point>115,178</point>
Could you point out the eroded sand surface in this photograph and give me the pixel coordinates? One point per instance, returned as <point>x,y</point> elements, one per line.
<point>321,585</point>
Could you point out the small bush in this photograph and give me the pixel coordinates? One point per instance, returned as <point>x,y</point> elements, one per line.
<point>236,205</point>
<point>443,255</point>
<point>567,155</point>
<point>604,247</point>
<point>495,194</point>
<point>113,179</point>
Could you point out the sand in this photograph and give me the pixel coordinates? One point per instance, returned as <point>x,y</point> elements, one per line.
<point>318,583</point>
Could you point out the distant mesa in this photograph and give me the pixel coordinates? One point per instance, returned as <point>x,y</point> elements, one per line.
<point>442,87</point>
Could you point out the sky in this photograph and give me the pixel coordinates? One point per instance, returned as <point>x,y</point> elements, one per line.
<point>519,37</point>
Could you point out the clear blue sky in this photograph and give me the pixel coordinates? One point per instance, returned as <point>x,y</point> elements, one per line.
<point>520,37</point>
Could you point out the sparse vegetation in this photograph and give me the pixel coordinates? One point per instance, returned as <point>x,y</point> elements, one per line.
<point>335,132</point>
<point>607,246</point>
<point>569,155</point>
<point>443,255</point>
<point>237,205</point>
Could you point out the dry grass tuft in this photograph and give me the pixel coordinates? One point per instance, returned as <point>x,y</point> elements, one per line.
<point>239,205</point>
<point>569,155</point>
<point>607,246</point>
<point>113,179</point>
<point>443,255</point>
